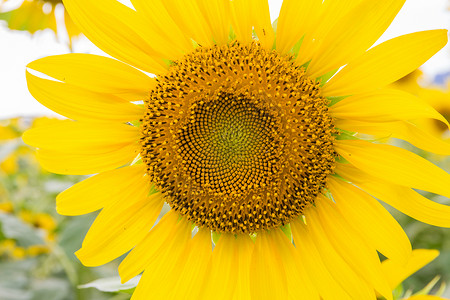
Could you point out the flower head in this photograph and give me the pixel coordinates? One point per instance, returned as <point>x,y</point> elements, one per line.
<point>250,136</point>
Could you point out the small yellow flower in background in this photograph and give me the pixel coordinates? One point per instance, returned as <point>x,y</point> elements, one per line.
<point>42,221</point>
<point>36,250</point>
<point>249,138</point>
<point>7,246</point>
<point>8,129</point>
<point>9,165</point>
<point>6,207</point>
<point>13,148</point>
<point>34,15</point>
<point>46,225</point>
<point>18,253</point>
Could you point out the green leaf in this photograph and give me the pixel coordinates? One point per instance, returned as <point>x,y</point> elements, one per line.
<point>14,294</point>
<point>24,234</point>
<point>13,275</point>
<point>50,289</point>
<point>111,284</point>
<point>73,232</point>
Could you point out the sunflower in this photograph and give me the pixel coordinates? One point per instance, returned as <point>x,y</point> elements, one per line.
<point>34,15</point>
<point>248,134</point>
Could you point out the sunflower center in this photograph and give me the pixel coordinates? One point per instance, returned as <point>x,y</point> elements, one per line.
<point>229,145</point>
<point>237,138</point>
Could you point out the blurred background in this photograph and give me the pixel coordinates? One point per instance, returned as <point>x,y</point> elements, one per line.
<point>37,244</point>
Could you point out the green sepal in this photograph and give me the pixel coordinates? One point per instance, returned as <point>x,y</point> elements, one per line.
<point>287,231</point>
<point>153,190</point>
<point>137,123</point>
<point>325,77</point>
<point>426,290</point>
<point>231,34</point>
<point>215,237</point>
<point>296,49</point>
<point>195,44</point>
<point>342,161</point>
<point>345,135</point>
<point>334,100</point>
<point>274,25</point>
<point>398,292</point>
<point>168,62</point>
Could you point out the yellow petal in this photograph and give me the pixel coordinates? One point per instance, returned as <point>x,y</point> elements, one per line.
<point>196,260</point>
<point>98,191</point>
<point>267,275</point>
<point>245,248</point>
<point>296,18</point>
<point>384,105</point>
<point>354,284</point>
<point>82,137</point>
<point>294,268</point>
<point>83,164</point>
<point>386,63</point>
<point>402,130</point>
<point>328,288</point>
<point>143,290</point>
<point>190,19</point>
<point>176,271</point>
<point>360,255</point>
<point>262,24</point>
<point>156,16</point>
<point>217,12</point>
<point>182,278</point>
<point>395,165</point>
<point>402,198</point>
<point>121,225</point>
<point>117,30</point>
<point>249,15</point>
<point>363,211</point>
<point>353,34</point>
<point>225,264</point>
<point>96,73</point>
<point>241,13</point>
<point>159,250</point>
<point>396,272</point>
<point>80,104</point>
<point>331,12</point>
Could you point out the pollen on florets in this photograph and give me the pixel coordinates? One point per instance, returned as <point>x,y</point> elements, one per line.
<point>237,138</point>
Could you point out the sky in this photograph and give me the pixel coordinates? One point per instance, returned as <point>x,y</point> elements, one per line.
<point>17,49</point>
